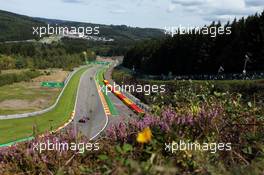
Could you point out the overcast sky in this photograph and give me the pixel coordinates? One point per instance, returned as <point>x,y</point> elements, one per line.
<point>140,13</point>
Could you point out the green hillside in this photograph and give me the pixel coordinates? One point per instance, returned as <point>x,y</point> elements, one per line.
<point>15,27</point>
<point>117,32</point>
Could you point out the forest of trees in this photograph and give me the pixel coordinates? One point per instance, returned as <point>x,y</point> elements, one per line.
<point>115,48</point>
<point>202,54</point>
<point>39,56</point>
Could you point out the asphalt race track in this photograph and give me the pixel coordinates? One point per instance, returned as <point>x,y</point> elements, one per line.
<point>89,106</point>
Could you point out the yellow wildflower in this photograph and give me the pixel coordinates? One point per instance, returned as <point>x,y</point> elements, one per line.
<point>144,136</point>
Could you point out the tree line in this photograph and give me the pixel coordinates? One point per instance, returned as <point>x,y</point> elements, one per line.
<point>185,54</point>
<point>40,56</point>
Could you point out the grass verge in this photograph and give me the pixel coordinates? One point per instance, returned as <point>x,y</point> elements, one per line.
<point>100,78</point>
<point>13,129</point>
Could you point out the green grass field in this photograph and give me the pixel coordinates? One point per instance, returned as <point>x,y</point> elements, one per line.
<point>26,92</point>
<point>20,91</point>
<point>13,129</point>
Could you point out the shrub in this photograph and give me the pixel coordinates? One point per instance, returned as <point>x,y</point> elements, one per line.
<point>18,77</point>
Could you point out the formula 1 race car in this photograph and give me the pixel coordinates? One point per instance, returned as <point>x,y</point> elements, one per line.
<point>84,120</point>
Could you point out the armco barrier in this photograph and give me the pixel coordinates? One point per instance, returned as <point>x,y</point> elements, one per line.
<point>124,99</point>
<point>14,116</point>
<point>127,94</point>
<point>137,101</point>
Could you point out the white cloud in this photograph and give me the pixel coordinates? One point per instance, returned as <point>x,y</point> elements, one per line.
<point>189,2</point>
<point>222,10</point>
<point>254,2</point>
<point>72,1</point>
<point>171,8</point>
<point>118,11</point>
<point>141,13</point>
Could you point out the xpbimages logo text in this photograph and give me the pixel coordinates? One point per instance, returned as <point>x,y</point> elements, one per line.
<point>56,145</point>
<point>79,31</point>
<point>146,89</point>
<point>212,31</point>
<point>173,147</point>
